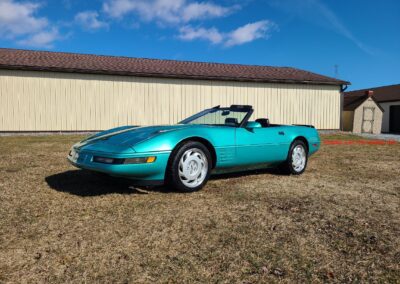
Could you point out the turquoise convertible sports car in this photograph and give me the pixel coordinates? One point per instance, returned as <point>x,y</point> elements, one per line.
<point>182,156</point>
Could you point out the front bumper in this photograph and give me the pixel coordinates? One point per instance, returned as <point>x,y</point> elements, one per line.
<point>154,171</point>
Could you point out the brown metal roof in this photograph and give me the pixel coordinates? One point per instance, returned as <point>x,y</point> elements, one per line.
<point>381,94</point>
<point>16,59</point>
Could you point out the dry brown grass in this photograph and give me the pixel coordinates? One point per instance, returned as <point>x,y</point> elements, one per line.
<point>338,222</point>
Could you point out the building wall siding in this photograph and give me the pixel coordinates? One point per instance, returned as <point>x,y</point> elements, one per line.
<point>386,114</point>
<point>348,118</point>
<point>49,101</point>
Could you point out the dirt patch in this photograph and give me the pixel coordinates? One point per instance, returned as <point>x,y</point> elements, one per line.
<point>338,222</point>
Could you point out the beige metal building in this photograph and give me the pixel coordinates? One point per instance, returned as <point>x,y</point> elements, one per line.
<point>51,91</point>
<point>362,114</point>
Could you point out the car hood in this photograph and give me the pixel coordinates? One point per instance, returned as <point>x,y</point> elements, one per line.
<point>123,139</point>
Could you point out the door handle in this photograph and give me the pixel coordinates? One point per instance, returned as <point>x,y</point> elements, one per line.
<point>281,133</point>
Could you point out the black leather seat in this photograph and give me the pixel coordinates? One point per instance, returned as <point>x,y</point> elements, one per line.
<point>263,121</point>
<point>231,121</point>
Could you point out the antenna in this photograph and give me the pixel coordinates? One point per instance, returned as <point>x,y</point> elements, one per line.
<point>336,67</point>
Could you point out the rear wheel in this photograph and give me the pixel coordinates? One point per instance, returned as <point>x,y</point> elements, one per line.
<point>189,167</point>
<point>297,159</point>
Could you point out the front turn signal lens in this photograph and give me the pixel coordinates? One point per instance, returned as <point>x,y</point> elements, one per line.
<point>150,159</point>
<point>141,160</point>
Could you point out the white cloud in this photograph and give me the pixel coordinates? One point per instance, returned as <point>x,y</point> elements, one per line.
<point>196,11</point>
<point>239,36</point>
<point>19,22</point>
<point>166,11</point>
<point>19,19</point>
<point>180,13</point>
<point>250,32</point>
<point>119,8</point>
<point>189,33</point>
<point>42,39</point>
<point>89,20</point>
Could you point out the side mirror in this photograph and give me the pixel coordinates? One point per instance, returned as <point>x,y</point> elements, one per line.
<point>253,124</point>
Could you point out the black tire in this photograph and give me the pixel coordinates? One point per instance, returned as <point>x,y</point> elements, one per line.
<point>172,177</point>
<point>287,167</point>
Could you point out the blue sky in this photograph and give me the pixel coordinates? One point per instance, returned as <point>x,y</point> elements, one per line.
<point>362,38</point>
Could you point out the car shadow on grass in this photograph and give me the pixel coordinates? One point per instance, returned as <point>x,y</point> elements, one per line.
<point>86,183</point>
<point>267,171</point>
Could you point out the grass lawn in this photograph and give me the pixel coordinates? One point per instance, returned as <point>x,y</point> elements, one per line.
<point>339,221</point>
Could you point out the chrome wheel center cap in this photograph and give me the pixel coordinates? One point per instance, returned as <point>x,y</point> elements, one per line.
<point>192,167</point>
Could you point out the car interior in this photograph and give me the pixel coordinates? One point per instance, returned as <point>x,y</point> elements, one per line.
<point>258,123</point>
<point>263,121</point>
<point>231,121</point>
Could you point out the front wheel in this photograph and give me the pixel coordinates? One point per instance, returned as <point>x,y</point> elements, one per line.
<point>297,159</point>
<point>189,167</point>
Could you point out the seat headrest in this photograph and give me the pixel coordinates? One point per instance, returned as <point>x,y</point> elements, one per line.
<point>231,121</point>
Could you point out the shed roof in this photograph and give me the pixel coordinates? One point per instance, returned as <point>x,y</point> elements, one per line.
<point>350,103</point>
<point>381,94</point>
<point>16,59</point>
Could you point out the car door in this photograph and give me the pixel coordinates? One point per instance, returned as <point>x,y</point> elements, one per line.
<point>261,145</point>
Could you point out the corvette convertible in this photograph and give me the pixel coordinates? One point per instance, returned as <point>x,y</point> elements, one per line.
<point>183,156</point>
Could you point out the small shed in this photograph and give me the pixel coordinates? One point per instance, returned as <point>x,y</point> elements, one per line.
<point>362,114</point>
<point>388,98</point>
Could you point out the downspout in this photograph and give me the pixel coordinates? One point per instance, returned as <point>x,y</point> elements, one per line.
<point>342,89</point>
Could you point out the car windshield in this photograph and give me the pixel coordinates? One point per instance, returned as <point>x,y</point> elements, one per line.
<point>218,116</point>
